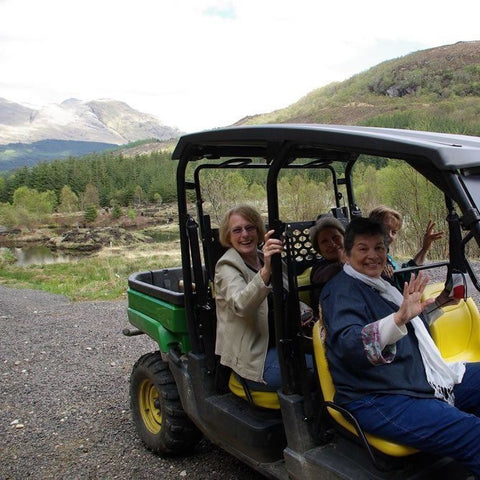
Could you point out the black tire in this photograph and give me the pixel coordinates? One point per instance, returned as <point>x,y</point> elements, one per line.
<point>158,415</point>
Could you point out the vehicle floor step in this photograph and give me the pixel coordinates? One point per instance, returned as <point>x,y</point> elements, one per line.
<point>237,407</point>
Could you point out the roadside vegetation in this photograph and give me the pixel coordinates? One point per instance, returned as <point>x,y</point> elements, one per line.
<point>102,276</point>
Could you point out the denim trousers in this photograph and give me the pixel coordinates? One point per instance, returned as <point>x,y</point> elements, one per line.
<point>429,424</point>
<point>271,372</point>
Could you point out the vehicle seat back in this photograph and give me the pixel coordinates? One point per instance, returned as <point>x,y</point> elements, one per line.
<point>303,256</point>
<point>457,331</point>
<point>303,283</point>
<point>328,390</point>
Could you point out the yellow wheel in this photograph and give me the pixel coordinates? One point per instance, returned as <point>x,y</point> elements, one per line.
<point>157,411</point>
<point>149,405</point>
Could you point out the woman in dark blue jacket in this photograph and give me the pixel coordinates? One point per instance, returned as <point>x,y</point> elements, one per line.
<point>385,366</point>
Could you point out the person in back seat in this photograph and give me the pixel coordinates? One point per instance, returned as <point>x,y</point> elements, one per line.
<point>326,237</point>
<point>392,222</point>
<point>243,295</point>
<point>385,366</point>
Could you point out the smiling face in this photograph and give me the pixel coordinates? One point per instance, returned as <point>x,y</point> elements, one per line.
<point>368,255</point>
<point>330,243</point>
<point>243,236</point>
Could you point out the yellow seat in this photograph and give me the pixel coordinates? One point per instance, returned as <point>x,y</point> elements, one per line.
<point>457,331</point>
<point>303,280</point>
<point>260,399</point>
<point>328,390</point>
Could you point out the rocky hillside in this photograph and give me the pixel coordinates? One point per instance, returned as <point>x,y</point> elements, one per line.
<point>105,121</point>
<point>433,89</point>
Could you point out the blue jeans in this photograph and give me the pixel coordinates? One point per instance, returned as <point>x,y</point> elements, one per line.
<point>430,425</point>
<point>271,372</point>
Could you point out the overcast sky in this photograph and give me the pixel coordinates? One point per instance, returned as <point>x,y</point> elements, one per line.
<point>199,64</point>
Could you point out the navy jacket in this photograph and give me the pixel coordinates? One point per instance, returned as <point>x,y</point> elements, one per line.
<point>348,305</point>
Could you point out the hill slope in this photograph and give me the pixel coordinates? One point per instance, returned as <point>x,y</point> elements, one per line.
<point>434,89</point>
<point>16,155</point>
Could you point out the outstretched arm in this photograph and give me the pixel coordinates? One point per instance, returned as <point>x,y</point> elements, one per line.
<point>428,238</point>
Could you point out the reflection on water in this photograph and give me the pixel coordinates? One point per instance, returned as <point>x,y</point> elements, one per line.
<point>162,236</point>
<point>41,255</point>
<point>37,255</point>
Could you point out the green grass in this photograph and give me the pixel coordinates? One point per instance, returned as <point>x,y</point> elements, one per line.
<point>102,277</point>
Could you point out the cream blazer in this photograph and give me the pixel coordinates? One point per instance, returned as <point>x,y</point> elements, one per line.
<point>242,316</point>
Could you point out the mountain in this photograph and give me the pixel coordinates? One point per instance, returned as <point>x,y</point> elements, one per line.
<point>72,128</point>
<point>437,89</point>
<point>104,121</point>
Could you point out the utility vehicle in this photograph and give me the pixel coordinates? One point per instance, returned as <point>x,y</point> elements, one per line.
<point>180,392</point>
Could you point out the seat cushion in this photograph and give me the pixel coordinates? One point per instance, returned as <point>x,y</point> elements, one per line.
<point>260,399</point>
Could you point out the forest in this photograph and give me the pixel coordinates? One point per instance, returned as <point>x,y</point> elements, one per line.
<point>30,195</point>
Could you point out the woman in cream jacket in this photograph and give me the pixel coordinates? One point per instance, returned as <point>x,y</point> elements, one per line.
<point>245,337</point>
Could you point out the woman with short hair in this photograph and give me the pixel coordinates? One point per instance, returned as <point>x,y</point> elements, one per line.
<point>386,368</point>
<point>393,222</point>
<point>326,237</point>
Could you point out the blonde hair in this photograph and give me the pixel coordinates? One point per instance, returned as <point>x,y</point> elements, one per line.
<point>247,212</point>
<point>381,213</point>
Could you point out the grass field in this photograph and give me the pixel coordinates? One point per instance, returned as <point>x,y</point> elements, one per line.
<point>102,276</point>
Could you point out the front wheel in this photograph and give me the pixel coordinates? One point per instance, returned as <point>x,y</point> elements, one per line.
<point>157,412</point>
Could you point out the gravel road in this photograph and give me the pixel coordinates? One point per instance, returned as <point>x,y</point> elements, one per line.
<point>64,406</point>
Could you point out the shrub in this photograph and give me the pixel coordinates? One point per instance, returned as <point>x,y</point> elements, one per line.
<point>91,213</point>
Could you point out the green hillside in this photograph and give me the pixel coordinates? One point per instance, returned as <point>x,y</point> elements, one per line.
<point>15,155</point>
<point>436,89</point>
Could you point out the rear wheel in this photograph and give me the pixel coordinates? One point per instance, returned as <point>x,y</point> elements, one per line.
<point>157,412</point>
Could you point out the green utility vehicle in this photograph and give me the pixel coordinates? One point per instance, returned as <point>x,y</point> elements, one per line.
<point>180,392</point>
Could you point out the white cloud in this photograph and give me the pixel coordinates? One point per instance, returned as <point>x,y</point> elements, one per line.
<point>204,63</point>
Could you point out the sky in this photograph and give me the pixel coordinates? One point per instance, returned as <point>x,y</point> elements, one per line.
<point>201,64</point>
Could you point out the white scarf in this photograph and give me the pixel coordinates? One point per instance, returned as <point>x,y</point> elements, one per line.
<point>441,376</point>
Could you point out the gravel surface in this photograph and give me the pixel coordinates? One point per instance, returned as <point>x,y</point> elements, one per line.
<point>64,405</point>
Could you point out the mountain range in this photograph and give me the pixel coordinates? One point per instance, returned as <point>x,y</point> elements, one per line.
<point>105,121</point>
<point>436,89</point>
<point>71,128</point>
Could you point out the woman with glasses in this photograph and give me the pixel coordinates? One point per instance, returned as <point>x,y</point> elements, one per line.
<point>243,295</point>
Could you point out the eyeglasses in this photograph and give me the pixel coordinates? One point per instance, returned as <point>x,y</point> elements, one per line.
<point>248,229</point>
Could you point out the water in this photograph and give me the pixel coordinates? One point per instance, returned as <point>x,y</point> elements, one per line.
<point>161,236</point>
<point>37,255</point>
<point>42,255</point>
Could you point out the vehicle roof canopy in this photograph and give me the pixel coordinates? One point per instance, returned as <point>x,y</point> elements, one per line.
<point>421,149</point>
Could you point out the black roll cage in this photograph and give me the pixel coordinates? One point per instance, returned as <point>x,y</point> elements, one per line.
<point>281,147</point>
